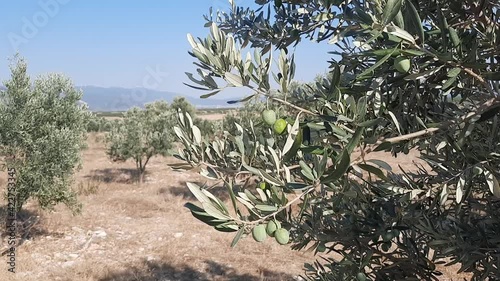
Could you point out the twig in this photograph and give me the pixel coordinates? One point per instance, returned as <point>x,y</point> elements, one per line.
<point>445,126</point>
<point>289,104</point>
<point>86,244</point>
<point>27,229</point>
<point>409,136</point>
<point>454,64</point>
<point>282,101</point>
<point>262,219</point>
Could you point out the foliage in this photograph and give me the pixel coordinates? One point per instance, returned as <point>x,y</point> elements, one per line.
<point>384,225</point>
<point>98,123</point>
<point>183,105</point>
<point>250,112</point>
<point>180,103</point>
<point>207,127</point>
<point>88,188</point>
<point>43,133</point>
<point>141,134</point>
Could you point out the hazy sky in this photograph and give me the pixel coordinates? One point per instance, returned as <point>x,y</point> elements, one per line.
<point>119,43</point>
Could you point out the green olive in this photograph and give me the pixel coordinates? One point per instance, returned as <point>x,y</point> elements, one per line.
<point>269,117</point>
<point>280,126</point>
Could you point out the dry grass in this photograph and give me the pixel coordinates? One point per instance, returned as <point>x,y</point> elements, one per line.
<point>212,116</point>
<point>131,233</point>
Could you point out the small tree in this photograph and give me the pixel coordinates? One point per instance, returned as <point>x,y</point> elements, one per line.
<point>142,134</point>
<point>42,134</point>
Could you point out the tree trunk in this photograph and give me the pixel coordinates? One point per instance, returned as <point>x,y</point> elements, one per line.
<point>141,176</point>
<point>142,169</point>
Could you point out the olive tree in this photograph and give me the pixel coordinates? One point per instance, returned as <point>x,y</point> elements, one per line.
<point>182,104</point>
<point>404,75</point>
<point>43,130</point>
<point>142,134</point>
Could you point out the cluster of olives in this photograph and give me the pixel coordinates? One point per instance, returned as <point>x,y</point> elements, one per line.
<point>269,117</point>
<point>271,229</point>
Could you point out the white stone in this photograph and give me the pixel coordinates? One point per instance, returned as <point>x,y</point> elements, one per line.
<point>100,234</point>
<point>67,264</point>
<point>77,229</point>
<point>178,235</point>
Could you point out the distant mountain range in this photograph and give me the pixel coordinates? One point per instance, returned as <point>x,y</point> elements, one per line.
<point>122,99</point>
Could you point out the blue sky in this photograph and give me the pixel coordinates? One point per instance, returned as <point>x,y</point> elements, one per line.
<point>119,43</point>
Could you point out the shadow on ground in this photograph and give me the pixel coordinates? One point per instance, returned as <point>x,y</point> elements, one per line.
<point>28,226</point>
<point>156,271</point>
<point>115,175</point>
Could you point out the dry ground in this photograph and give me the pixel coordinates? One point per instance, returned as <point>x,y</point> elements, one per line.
<point>127,232</point>
<point>212,116</point>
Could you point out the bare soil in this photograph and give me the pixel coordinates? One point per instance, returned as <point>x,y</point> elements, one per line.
<point>212,116</point>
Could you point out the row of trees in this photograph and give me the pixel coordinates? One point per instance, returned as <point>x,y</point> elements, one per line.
<point>99,124</point>
<point>44,127</point>
<point>404,75</point>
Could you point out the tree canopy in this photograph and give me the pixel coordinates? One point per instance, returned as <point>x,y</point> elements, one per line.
<point>142,134</point>
<point>43,127</point>
<point>404,75</point>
